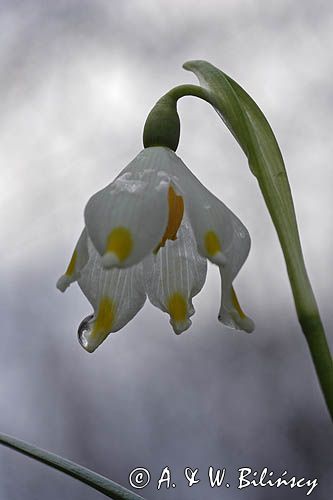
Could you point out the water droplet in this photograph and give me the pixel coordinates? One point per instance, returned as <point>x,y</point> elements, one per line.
<point>84,331</point>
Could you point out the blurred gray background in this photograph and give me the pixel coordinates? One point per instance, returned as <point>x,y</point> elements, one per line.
<point>78,79</point>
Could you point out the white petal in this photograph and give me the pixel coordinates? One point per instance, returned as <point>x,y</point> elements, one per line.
<point>175,275</point>
<point>127,219</point>
<point>77,263</point>
<point>116,296</point>
<point>226,242</point>
<point>220,235</point>
<point>231,314</point>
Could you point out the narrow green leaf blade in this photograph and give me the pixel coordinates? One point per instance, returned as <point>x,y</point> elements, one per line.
<point>96,481</point>
<point>252,131</point>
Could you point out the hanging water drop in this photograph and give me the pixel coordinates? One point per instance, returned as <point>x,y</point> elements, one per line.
<point>84,332</point>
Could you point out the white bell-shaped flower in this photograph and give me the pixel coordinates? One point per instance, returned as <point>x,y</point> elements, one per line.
<point>150,232</point>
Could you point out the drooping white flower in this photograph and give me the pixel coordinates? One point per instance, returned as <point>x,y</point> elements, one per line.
<point>150,232</point>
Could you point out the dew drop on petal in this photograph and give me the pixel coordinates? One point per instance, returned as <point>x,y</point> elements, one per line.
<point>84,329</point>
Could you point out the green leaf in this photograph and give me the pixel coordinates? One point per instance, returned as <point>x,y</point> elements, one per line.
<point>252,131</point>
<point>96,481</point>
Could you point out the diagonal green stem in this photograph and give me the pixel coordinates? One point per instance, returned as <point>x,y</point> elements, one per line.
<point>100,483</point>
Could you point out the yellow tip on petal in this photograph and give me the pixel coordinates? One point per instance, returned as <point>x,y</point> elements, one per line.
<point>71,266</point>
<point>104,319</point>
<point>243,321</point>
<point>120,243</point>
<point>177,307</point>
<point>212,243</point>
<point>236,304</point>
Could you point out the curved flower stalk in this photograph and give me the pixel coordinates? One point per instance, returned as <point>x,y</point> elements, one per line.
<point>150,232</point>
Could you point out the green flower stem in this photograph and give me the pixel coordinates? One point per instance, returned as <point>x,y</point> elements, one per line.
<point>162,127</point>
<point>100,483</point>
<point>253,133</point>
